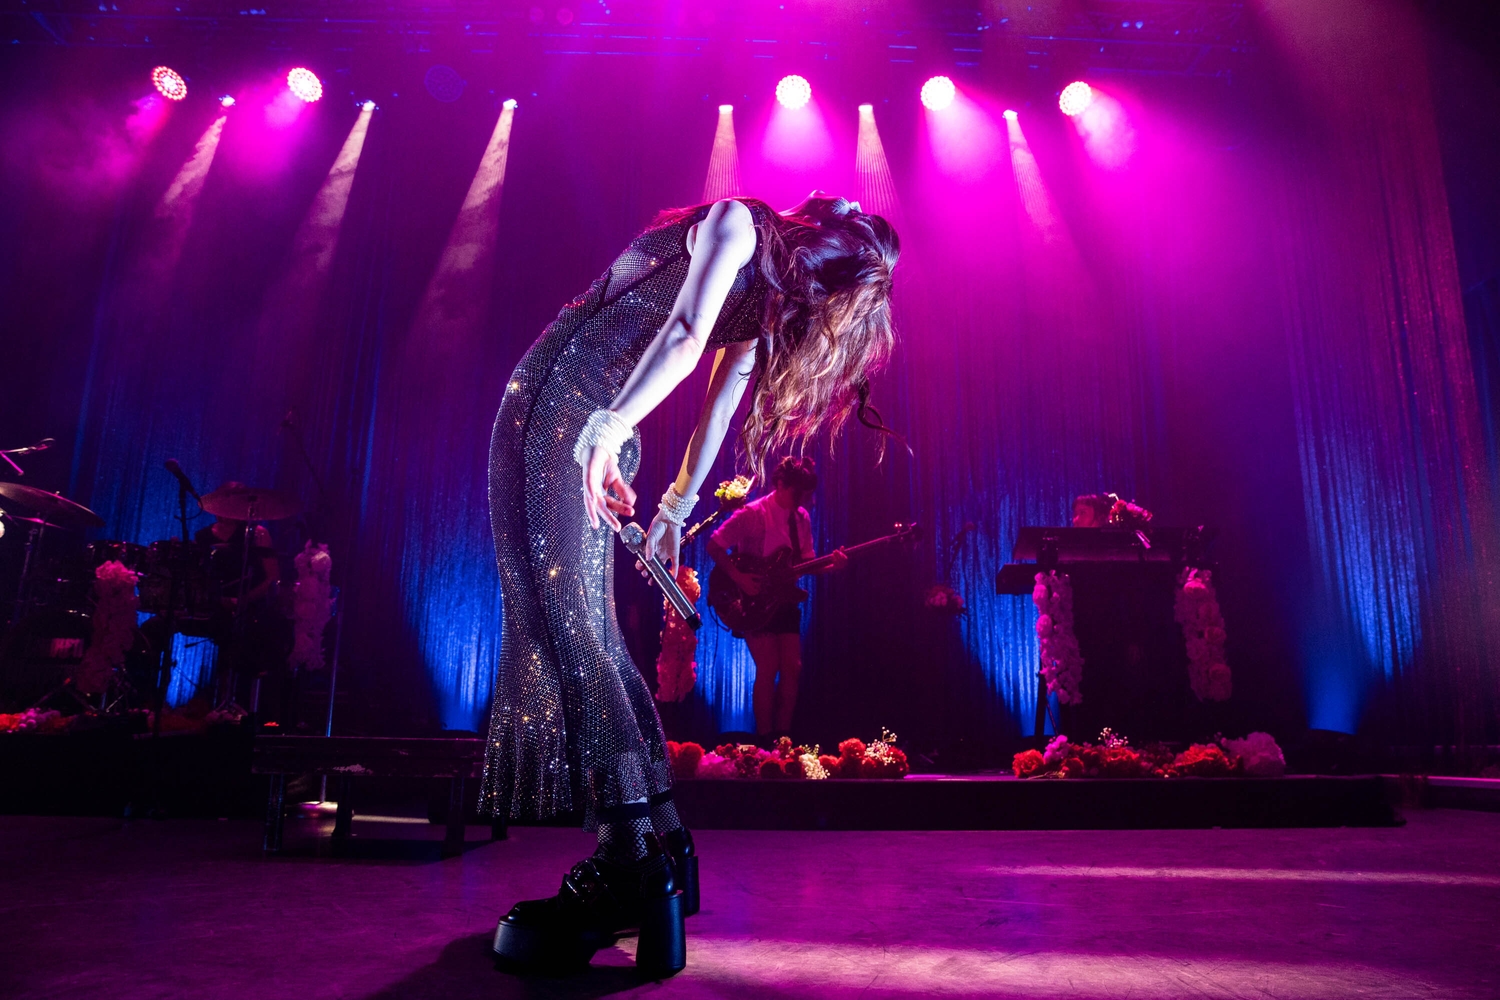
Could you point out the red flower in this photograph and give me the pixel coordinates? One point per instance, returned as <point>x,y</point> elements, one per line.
<point>852,748</point>
<point>1120,762</point>
<point>830,764</point>
<point>891,764</point>
<point>684,758</point>
<point>1027,763</point>
<point>792,768</point>
<point>771,768</point>
<point>1203,760</point>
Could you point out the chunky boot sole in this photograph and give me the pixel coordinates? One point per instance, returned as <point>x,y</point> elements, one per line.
<point>523,946</point>
<point>686,872</point>
<point>661,942</point>
<point>661,948</point>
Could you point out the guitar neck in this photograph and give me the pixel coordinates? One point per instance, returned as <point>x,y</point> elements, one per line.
<point>822,562</point>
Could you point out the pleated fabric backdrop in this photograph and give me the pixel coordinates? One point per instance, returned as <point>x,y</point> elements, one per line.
<point>1255,323</point>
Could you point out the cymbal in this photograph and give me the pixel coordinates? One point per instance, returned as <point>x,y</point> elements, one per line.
<point>247,503</point>
<point>36,521</point>
<point>57,511</point>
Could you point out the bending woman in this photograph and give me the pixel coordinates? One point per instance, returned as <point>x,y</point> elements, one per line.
<point>799,302</point>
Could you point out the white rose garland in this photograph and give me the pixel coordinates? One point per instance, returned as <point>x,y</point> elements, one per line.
<point>1062,663</point>
<point>312,606</point>
<point>1197,611</point>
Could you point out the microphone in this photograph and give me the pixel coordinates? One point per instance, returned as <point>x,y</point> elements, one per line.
<point>41,445</point>
<point>182,480</point>
<point>635,540</point>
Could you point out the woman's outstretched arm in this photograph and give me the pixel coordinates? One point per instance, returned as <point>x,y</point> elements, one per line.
<point>732,368</point>
<point>725,242</point>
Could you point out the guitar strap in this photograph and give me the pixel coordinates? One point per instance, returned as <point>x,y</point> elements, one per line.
<point>791,532</point>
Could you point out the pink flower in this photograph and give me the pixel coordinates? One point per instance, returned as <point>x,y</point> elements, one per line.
<point>1057,750</point>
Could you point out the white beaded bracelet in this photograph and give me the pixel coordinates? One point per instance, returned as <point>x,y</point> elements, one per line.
<point>604,429</point>
<point>675,507</point>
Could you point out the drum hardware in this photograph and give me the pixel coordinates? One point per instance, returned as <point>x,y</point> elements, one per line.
<point>251,506</point>
<point>55,512</point>
<point>6,453</point>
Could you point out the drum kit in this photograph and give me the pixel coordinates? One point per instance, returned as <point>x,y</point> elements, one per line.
<point>49,626</point>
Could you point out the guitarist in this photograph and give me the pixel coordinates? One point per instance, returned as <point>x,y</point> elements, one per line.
<point>776,521</point>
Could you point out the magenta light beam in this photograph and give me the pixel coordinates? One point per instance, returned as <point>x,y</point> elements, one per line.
<point>723,180</point>
<point>877,190</point>
<point>1104,126</point>
<point>1034,197</point>
<point>174,215</point>
<point>444,347</point>
<point>292,304</point>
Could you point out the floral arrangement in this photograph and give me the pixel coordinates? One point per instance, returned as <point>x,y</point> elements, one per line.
<point>1128,514</point>
<point>1062,663</point>
<point>944,600</point>
<point>1257,755</point>
<point>676,670</point>
<point>734,492</point>
<point>1197,611</point>
<point>855,760</point>
<point>312,606</point>
<point>115,605</point>
<point>34,721</point>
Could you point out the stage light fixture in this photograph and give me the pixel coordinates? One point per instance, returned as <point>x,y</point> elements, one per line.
<point>304,83</point>
<point>1075,98</point>
<point>227,101</point>
<point>938,93</point>
<point>367,106</point>
<point>509,104</point>
<point>169,83</point>
<point>793,92</point>
<point>866,109</point>
<point>1009,115</point>
<point>725,109</point>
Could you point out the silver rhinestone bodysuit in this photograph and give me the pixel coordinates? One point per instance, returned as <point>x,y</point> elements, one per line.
<point>573,723</point>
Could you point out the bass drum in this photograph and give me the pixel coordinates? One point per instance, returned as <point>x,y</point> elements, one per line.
<point>40,652</point>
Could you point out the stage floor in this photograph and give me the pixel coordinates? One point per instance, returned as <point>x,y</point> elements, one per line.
<point>96,908</point>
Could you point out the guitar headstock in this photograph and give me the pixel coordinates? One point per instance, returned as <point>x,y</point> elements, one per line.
<point>907,534</point>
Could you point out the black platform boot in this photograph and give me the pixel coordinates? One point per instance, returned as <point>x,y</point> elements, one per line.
<point>678,845</point>
<point>600,901</point>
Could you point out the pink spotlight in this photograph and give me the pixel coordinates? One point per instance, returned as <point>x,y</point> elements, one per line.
<point>1009,115</point>
<point>793,92</point>
<point>938,93</point>
<point>169,83</point>
<point>1075,98</point>
<point>304,83</point>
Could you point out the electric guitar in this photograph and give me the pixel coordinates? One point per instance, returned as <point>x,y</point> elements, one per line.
<point>778,575</point>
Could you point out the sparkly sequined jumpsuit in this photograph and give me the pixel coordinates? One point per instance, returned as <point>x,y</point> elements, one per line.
<point>573,722</point>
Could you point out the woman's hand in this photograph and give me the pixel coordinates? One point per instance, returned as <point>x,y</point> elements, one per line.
<point>663,540</point>
<point>601,478</point>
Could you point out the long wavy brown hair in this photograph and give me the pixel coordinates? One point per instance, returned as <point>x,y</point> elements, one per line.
<point>826,330</point>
